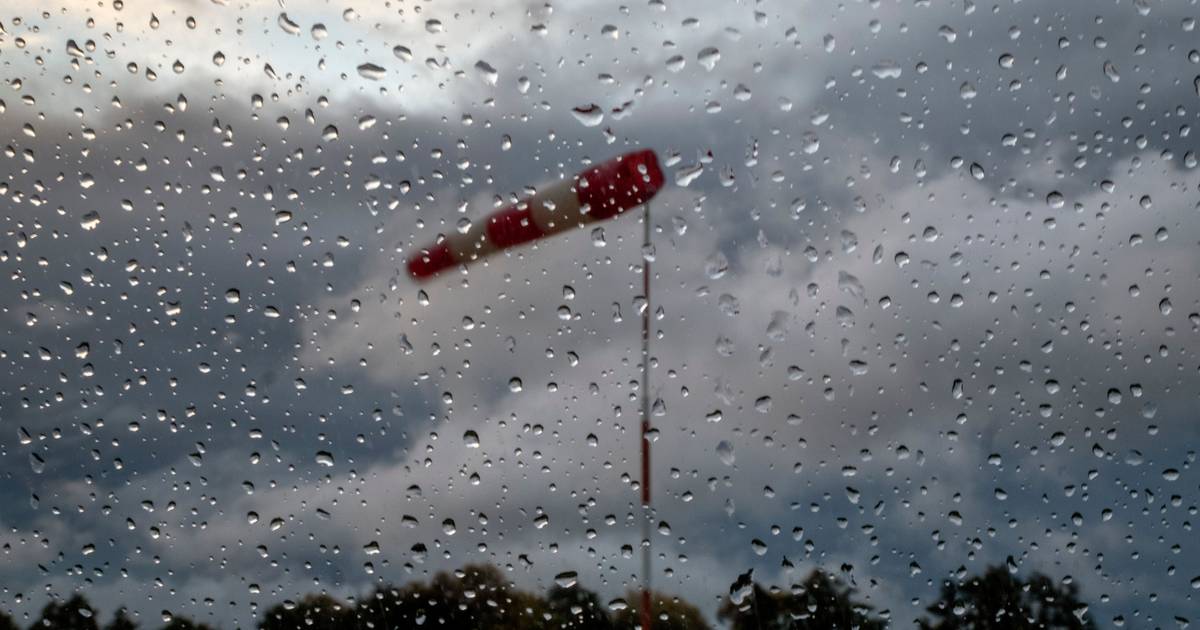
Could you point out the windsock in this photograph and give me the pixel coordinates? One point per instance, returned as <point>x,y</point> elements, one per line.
<point>601,192</point>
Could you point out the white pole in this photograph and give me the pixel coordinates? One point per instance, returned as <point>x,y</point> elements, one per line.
<point>647,618</point>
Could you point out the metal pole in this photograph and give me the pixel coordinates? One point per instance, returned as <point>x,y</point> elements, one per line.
<point>647,618</point>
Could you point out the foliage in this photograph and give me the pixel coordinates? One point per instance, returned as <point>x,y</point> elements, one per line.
<point>313,612</point>
<point>668,613</point>
<point>819,602</point>
<point>7,623</point>
<point>999,600</point>
<point>576,608</point>
<point>479,596</point>
<point>476,596</point>
<point>121,621</point>
<point>74,614</point>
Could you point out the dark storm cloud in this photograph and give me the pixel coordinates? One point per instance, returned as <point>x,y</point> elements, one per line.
<point>343,188</point>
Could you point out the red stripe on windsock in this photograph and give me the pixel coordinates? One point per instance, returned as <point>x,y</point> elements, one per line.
<point>430,261</point>
<point>512,226</point>
<point>618,185</point>
<point>607,190</point>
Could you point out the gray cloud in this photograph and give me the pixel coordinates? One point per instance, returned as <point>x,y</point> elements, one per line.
<point>922,274</point>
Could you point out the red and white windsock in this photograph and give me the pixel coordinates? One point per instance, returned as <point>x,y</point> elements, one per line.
<point>601,192</point>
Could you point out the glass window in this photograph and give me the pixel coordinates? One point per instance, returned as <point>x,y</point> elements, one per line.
<point>452,314</point>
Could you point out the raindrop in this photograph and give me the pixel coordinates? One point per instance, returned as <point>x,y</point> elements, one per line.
<point>1110,71</point>
<point>589,115</point>
<point>372,71</point>
<point>725,452</point>
<point>566,579</point>
<point>486,72</point>
<point>288,26</point>
<point>688,174</point>
<point>886,69</point>
<point>90,220</point>
<point>716,265</point>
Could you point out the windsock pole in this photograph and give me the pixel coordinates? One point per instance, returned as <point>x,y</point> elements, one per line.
<point>647,618</point>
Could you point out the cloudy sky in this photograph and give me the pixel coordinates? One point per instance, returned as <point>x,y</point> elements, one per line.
<point>925,299</point>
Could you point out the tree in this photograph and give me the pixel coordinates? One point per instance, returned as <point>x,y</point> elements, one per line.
<point>7,623</point>
<point>820,602</point>
<point>74,614</point>
<point>476,596</point>
<point>121,621</point>
<point>999,600</point>
<point>576,608</point>
<point>183,623</point>
<point>669,613</point>
<point>313,612</point>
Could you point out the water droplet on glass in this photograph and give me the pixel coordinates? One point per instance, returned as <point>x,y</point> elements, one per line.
<point>90,220</point>
<point>589,115</point>
<point>688,174</point>
<point>725,452</point>
<point>288,26</point>
<point>1110,71</point>
<point>372,71</point>
<point>886,69</point>
<point>486,72</point>
<point>566,579</point>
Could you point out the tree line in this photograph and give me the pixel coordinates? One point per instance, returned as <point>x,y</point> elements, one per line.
<point>478,596</point>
